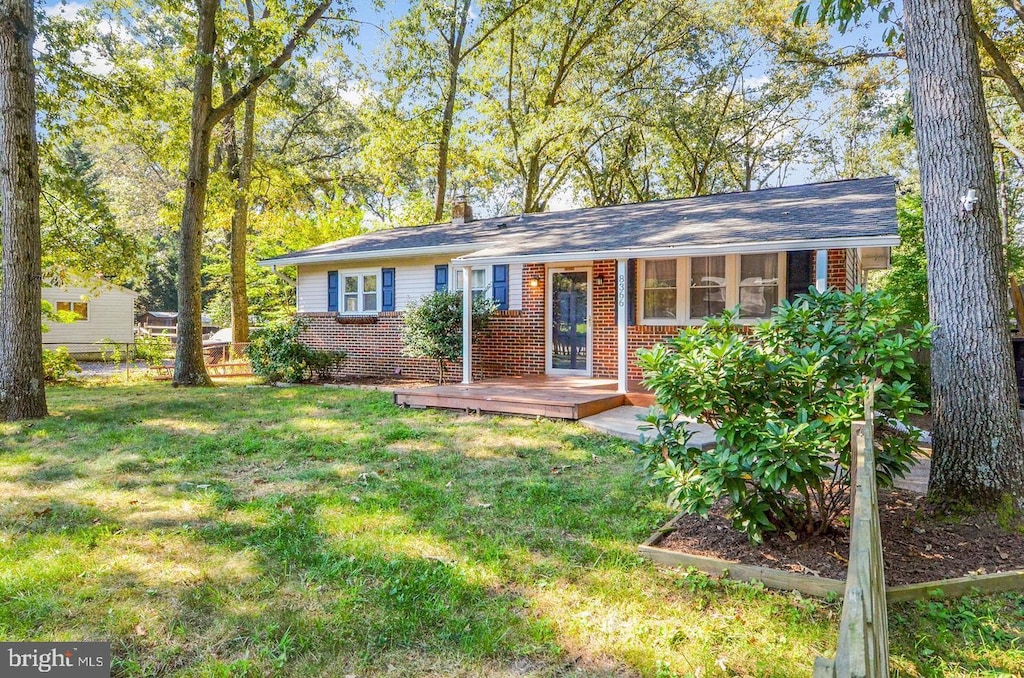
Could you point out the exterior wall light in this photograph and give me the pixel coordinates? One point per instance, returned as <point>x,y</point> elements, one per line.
<point>970,200</point>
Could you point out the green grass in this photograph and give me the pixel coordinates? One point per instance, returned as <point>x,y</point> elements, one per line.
<point>310,531</point>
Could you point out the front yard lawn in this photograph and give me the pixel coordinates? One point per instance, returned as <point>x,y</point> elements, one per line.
<point>312,531</point>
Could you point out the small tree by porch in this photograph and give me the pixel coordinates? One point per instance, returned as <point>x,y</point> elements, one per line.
<point>433,327</point>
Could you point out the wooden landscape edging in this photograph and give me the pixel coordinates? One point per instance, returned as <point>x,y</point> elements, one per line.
<point>997,582</point>
<point>811,585</point>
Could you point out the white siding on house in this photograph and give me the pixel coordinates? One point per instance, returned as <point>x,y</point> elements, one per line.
<point>414,279</point>
<point>311,287</point>
<point>515,287</point>
<point>111,316</point>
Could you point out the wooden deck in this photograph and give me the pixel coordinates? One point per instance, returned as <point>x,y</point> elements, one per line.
<point>555,397</point>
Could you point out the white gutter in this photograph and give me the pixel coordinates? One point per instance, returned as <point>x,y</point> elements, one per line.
<point>328,257</point>
<point>688,250</point>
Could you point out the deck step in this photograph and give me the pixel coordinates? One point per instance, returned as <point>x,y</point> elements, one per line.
<point>569,404</point>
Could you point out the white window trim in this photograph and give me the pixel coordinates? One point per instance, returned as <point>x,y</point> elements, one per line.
<point>88,305</point>
<point>487,289</point>
<point>732,290</point>
<point>359,274</point>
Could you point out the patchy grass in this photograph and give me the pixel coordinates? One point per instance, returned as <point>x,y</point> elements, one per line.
<point>307,531</point>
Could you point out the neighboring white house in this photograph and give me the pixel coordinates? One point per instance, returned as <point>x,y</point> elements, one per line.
<point>105,312</point>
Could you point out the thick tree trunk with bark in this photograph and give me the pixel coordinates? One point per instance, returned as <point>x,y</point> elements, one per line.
<point>979,447</point>
<point>22,393</point>
<point>189,368</point>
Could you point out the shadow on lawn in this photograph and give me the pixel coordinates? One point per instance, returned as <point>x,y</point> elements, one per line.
<point>371,537</point>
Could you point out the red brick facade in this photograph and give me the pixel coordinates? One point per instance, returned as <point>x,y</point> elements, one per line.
<point>843,269</point>
<point>514,343</point>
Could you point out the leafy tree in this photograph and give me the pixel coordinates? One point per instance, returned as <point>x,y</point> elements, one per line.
<point>431,43</point>
<point>978,458</point>
<point>189,369</point>
<point>22,393</point>
<point>782,400</point>
<point>432,327</point>
<point>907,279</point>
<point>80,236</point>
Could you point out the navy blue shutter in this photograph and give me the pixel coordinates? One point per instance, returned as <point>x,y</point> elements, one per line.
<point>387,289</point>
<point>441,278</point>
<point>499,280</point>
<point>332,290</point>
<point>801,271</point>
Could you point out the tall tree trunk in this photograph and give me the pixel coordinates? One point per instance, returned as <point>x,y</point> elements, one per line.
<point>455,54</point>
<point>979,447</point>
<point>240,227</point>
<point>22,393</point>
<point>531,198</point>
<point>189,368</point>
<point>443,142</point>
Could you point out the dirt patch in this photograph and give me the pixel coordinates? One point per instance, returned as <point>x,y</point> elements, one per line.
<point>918,546</point>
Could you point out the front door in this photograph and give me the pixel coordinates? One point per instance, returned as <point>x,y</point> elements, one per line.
<point>569,326</point>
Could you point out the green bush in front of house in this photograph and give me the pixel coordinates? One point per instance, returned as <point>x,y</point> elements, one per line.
<point>432,327</point>
<point>277,354</point>
<point>782,399</point>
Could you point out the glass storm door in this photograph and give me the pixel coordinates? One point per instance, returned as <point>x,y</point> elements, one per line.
<point>570,322</point>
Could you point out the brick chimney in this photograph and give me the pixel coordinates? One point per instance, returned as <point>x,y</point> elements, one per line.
<point>461,211</point>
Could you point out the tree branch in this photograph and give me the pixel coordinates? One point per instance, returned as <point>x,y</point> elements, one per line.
<point>1003,68</point>
<point>263,74</point>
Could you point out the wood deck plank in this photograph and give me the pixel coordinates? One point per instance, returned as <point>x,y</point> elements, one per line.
<point>569,398</point>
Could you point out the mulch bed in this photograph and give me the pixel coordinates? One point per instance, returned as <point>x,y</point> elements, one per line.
<point>918,547</point>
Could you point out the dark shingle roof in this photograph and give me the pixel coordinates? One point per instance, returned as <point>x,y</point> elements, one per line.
<point>856,208</point>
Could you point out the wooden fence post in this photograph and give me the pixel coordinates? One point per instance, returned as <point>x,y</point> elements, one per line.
<point>863,650</point>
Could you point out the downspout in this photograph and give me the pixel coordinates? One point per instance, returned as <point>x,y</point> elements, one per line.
<point>291,281</point>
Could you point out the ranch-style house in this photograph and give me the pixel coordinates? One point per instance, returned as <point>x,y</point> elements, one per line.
<point>580,291</point>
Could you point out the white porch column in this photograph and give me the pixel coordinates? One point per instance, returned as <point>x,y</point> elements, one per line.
<point>467,325</point>
<point>621,303</point>
<point>821,270</point>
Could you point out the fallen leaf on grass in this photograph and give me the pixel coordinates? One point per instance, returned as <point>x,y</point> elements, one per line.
<point>139,631</point>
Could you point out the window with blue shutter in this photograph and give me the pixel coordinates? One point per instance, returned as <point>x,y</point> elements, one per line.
<point>387,289</point>
<point>332,291</point>
<point>441,278</point>
<point>499,286</point>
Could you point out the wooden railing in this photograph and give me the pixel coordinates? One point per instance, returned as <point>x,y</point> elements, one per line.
<point>864,630</point>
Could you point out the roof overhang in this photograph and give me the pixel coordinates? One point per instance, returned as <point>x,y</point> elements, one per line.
<point>328,257</point>
<point>755,247</point>
<point>875,258</point>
